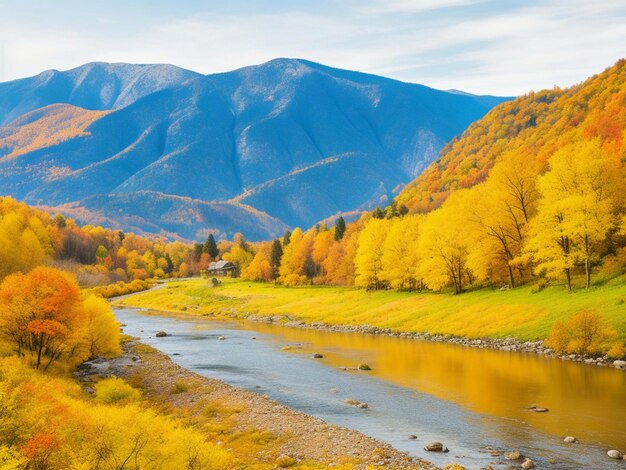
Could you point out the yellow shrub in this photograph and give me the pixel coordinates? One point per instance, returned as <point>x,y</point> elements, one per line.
<point>115,390</point>
<point>584,333</point>
<point>49,424</point>
<point>617,351</point>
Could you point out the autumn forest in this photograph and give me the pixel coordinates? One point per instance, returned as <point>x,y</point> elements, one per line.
<point>527,205</point>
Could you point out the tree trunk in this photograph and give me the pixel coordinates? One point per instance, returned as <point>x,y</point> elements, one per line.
<point>39,350</point>
<point>568,276</point>
<point>511,279</point>
<point>587,264</point>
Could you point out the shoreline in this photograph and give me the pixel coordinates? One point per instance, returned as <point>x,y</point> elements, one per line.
<point>305,439</point>
<point>509,344</point>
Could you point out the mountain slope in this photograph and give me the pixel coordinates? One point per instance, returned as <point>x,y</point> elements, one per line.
<point>95,86</point>
<point>295,140</point>
<point>531,127</point>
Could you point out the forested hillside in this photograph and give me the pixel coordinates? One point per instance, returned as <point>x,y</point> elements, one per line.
<point>534,192</point>
<point>93,254</point>
<point>529,129</point>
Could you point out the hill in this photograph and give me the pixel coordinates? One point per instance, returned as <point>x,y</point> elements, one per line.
<point>289,141</point>
<point>529,128</point>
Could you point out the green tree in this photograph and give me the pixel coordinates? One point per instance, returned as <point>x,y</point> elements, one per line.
<point>340,228</point>
<point>286,238</point>
<point>169,268</point>
<point>378,213</point>
<point>275,257</point>
<point>210,247</point>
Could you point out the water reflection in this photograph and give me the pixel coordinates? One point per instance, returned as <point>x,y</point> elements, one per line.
<point>583,400</point>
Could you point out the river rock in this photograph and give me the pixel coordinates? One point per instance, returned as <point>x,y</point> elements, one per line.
<point>364,367</point>
<point>619,364</point>
<point>570,440</point>
<point>412,437</point>
<point>515,455</point>
<point>528,464</point>
<point>318,356</point>
<point>435,447</point>
<point>222,338</point>
<point>615,454</point>
<point>362,405</point>
<point>161,334</point>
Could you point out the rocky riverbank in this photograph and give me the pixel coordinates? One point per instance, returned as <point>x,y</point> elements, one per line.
<point>502,344</point>
<point>296,437</point>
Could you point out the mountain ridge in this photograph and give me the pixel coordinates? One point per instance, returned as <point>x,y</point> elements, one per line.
<point>295,140</point>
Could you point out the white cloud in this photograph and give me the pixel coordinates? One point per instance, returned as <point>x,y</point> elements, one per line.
<point>498,51</point>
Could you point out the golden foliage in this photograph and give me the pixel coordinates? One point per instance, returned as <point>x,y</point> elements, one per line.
<point>43,317</point>
<point>585,333</point>
<point>47,422</point>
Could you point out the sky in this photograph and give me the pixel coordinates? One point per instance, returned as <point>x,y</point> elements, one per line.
<point>504,47</point>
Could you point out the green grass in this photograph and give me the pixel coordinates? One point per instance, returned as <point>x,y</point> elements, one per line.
<point>482,313</point>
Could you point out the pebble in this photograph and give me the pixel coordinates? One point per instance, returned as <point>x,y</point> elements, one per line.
<point>317,356</point>
<point>528,464</point>
<point>161,334</point>
<point>412,437</point>
<point>435,447</point>
<point>515,455</point>
<point>222,338</point>
<point>615,454</point>
<point>570,440</point>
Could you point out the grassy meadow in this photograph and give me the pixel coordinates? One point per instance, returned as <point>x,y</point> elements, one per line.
<point>519,312</point>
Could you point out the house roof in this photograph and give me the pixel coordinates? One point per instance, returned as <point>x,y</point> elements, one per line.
<point>221,265</point>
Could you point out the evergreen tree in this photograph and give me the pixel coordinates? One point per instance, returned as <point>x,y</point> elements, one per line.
<point>340,228</point>
<point>276,257</point>
<point>210,247</point>
<point>170,265</point>
<point>198,249</point>
<point>378,213</point>
<point>286,238</point>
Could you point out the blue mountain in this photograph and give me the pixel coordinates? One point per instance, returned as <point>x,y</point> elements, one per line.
<point>260,149</point>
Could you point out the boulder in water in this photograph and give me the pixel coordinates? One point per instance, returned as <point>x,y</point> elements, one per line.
<point>435,447</point>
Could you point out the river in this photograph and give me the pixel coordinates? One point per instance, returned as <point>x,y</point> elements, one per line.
<point>469,399</point>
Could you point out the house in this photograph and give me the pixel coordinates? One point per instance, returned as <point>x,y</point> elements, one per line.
<point>223,268</point>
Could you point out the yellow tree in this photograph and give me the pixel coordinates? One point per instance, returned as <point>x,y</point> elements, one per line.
<point>499,212</point>
<point>575,212</point>
<point>443,245</point>
<point>260,268</point>
<point>322,244</point>
<point>368,262</point>
<point>400,258</point>
<point>101,329</point>
<point>293,261</point>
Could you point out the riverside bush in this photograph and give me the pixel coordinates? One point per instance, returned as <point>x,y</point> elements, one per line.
<point>585,333</point>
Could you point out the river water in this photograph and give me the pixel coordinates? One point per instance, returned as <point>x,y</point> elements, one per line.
<point>466,398</point>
